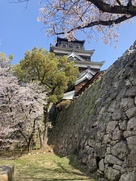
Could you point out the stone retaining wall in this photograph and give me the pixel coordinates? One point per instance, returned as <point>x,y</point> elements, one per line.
<point>100,126</point>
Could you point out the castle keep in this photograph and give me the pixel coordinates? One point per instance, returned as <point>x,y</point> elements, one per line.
<point>76,52</point>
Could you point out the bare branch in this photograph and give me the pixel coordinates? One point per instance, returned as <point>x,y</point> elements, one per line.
<point>118,1</point>
<point>18,1</point>
<point>104,7</point>
<point>104,23</point>
<point>129,3</point>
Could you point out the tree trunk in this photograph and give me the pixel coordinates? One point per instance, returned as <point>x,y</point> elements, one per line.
<point>29,146</point>
<point>40,137</point>
<point>31,137</point>
<point>45,131</point>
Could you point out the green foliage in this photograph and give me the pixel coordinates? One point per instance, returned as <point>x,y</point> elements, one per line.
<point>4,60</point>
<point>55,73</point>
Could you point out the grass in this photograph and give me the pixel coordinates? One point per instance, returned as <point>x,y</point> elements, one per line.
<point>39,166</point>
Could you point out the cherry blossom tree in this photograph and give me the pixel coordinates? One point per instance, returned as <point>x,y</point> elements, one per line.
<point>21,109</point>
<point>29,111</point>
<point>66,17</point>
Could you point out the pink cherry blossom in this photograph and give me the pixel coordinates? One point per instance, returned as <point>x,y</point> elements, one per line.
<point>66,17</point>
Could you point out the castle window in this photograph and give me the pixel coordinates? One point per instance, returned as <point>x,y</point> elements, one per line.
<point>70,45</point>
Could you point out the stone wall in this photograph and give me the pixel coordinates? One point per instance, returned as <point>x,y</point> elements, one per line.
<point>100,126</point>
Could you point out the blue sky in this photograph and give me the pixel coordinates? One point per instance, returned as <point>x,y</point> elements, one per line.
<point>20,31</point>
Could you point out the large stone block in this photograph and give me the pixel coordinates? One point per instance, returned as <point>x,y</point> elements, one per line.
<point>112,174</point>
<point>131,141</point>
<point>111,126</point>
<point>6,173</point>
<point>120,150</point>
<point>129,176</point>
<point>132,123</point>
<point>110,159</point>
